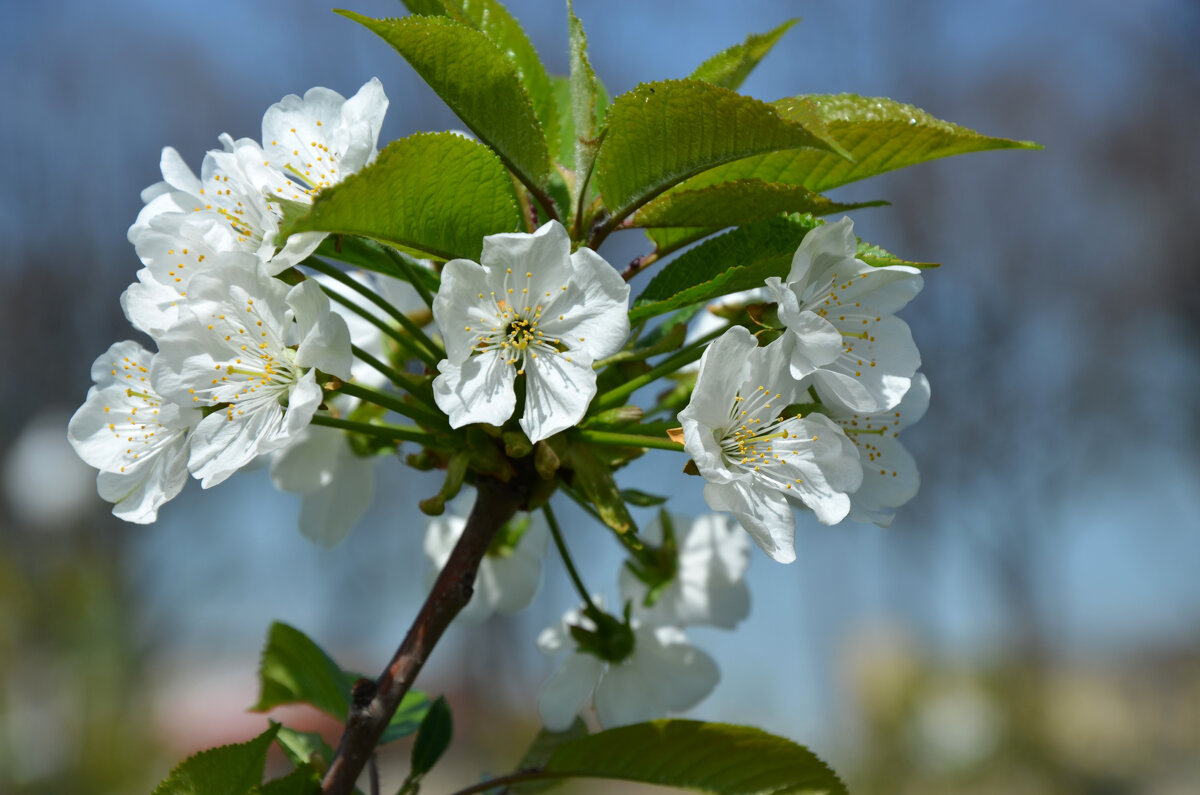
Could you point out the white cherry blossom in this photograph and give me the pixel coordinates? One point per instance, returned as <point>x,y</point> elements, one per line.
<point>890,476</point>
<point>508,575</point>
<point>663,674</point>
<point>756,462</point>
<point>308,144</point>
<point>530,308</point>
<point>839,312</point>
<point>233,350</point>
<point>708,587</point>
<point>316,141</point>
<point>138,441</point>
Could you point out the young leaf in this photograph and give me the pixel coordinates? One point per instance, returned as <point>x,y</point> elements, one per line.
<point>301,747</point>
<point>584,93</point>
<point>735,203</point>
<point>294,670</point>
<point>702,757</point>
<point>659,134</point>
<point>227,770</point>
<point>880,134</point>
<point>437,194</point>
<point>433,738</point>
<point>479,83</point>
<point>412,710</point>
<point>739,260</point>
<point>729,68</point>
<point>562,96</point>
<point>494,21</point>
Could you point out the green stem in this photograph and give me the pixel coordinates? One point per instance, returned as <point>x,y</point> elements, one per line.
<point>382,430</point>
<point>426,349</point>
<point>406,381</point>
<point>612,439</point>
<point>393,403</point>
<point>556,532</point>
<point>628,540</point>
<point>617,395</point>
<point>406,343</point>
<point>411,273</point>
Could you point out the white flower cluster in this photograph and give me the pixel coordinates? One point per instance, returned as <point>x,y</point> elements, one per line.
<point>236,372</point>
<point>843,345</point>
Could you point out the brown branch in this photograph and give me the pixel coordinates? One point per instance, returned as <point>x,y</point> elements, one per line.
<point>374,703</point>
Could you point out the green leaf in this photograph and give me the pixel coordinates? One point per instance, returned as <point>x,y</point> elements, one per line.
<point>669,239</point>
<point>367,254</point>
<point>878,257</point>
<point>734,203</point>
<point>659,134</point>
<point>562,96</point>
<point>302,747</point>
<point>437,194</point>
<point>703,757</point>
<point>596,481</point>
<point>585,90</point>
<point>479,83</point>
<point>408,717</point>
<point>493,19</point>
<point>729,68</point>
<point>641,499</point>
<point>739,260</point>
<point>295,670</point>
<point>227,770</point>
<point>301,781</point>
<point>879,133</point>
<point>433,738</point>
<point>541,749</point>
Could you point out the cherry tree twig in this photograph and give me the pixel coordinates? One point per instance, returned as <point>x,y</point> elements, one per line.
<point>374,703</point>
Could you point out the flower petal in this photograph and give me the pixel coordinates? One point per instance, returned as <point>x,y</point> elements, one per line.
<point>558,390</point>
<point>568,690</point>
<point>480,390</point>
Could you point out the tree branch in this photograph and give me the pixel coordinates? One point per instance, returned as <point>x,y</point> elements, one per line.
<point>374,703</point>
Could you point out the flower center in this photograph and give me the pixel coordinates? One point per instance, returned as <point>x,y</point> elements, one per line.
<point>757,440</point>
<point>514,327</point>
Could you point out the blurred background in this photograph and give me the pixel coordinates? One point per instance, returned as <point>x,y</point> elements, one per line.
<point>1031,622</point>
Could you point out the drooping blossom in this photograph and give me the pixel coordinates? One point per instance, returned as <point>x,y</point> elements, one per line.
<point>840,314</point>
<point>662,673</point>
<point>708,585</point>
<point>890,476</point>
<point>759,464</point>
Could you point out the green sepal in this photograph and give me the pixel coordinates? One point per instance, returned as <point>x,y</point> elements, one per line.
<point>546,458</point>
<point>516,443</point>
<point>596,481</point>
<point>642,499</point>
<point>611,640</point>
